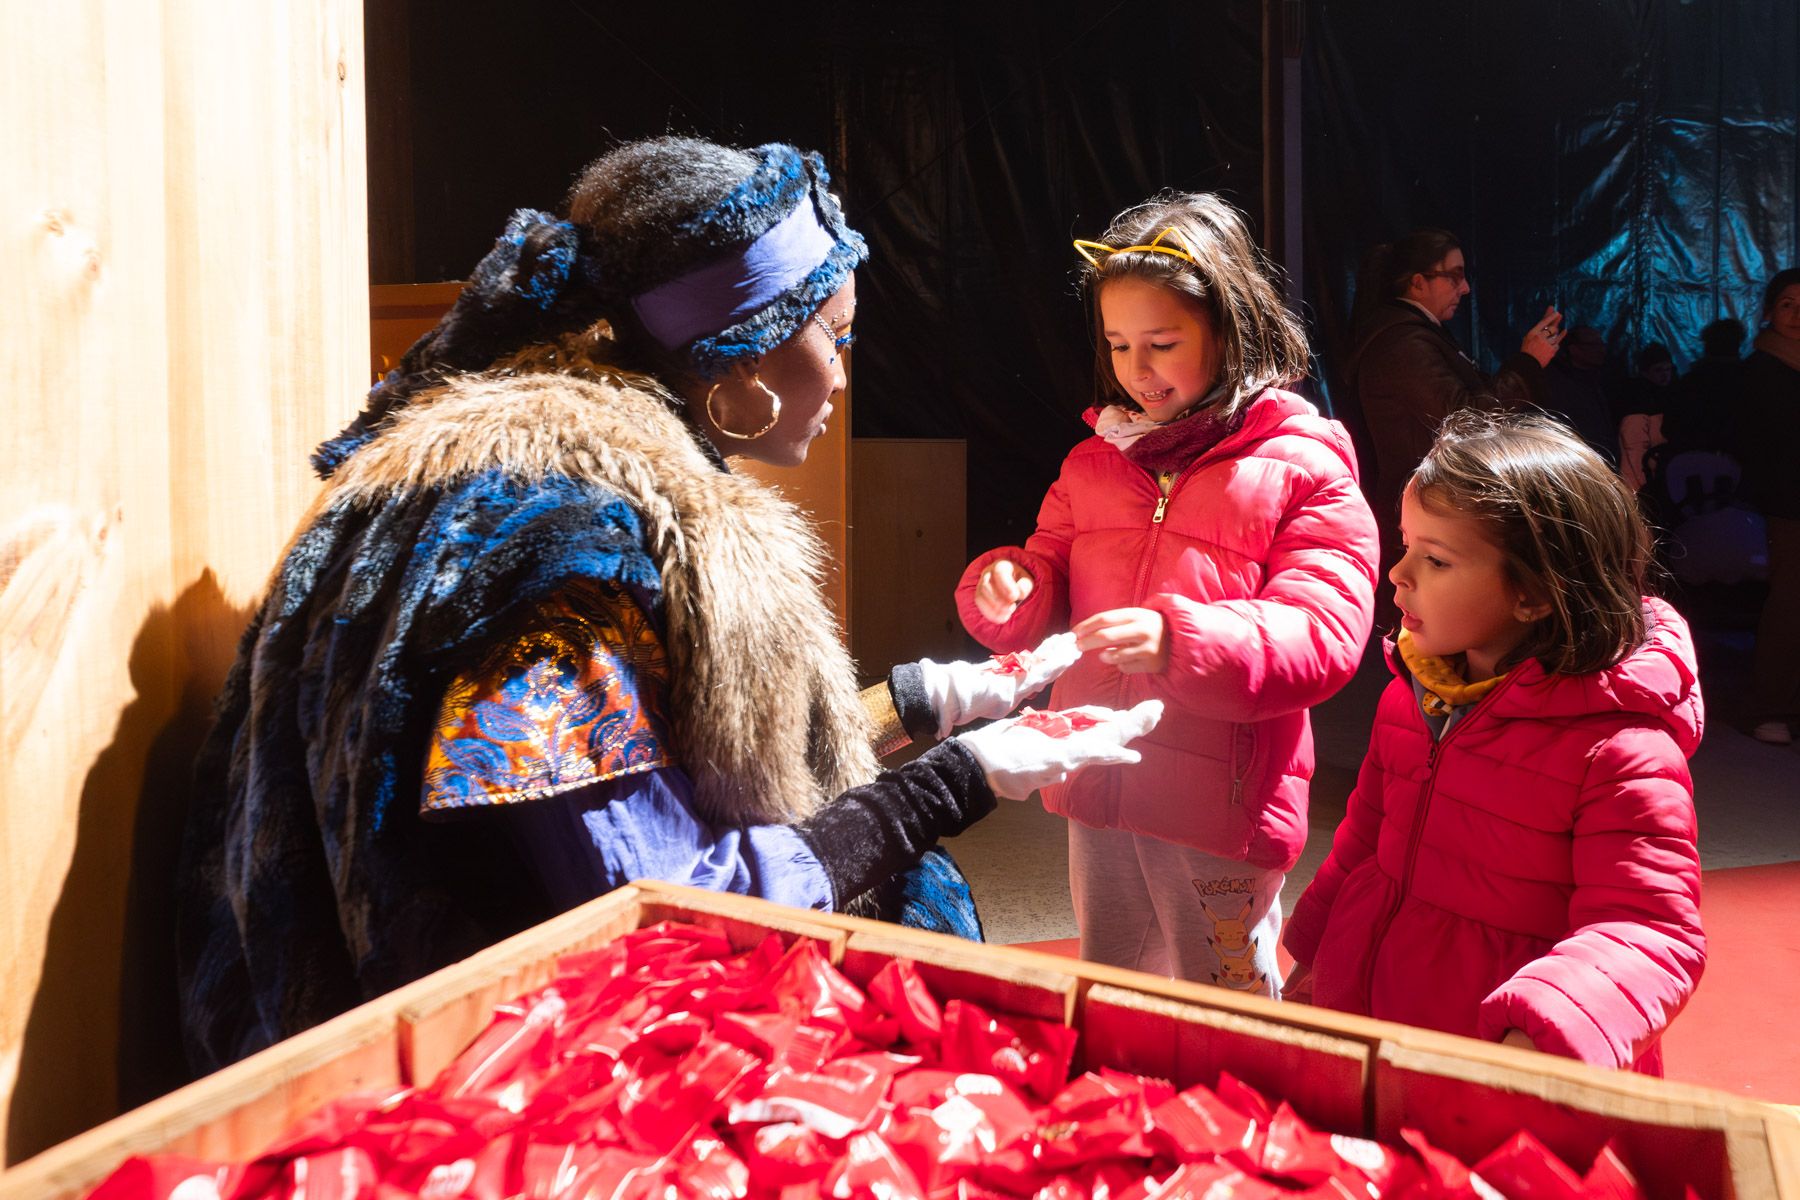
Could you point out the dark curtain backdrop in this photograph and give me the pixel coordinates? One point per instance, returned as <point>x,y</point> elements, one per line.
<point>970,140</point>
<point>1631,161</point>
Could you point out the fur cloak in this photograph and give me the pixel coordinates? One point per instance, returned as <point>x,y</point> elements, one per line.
<point>310,881</point>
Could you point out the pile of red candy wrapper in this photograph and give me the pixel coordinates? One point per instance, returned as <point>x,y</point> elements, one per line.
<point>666,1065</point>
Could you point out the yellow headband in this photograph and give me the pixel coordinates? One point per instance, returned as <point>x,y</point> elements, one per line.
<point>1088,249</point>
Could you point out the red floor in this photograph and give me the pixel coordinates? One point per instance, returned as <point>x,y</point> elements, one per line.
<point>1738,1031</point>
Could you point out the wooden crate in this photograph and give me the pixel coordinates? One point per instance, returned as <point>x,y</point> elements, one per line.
<point>1346,1074</point>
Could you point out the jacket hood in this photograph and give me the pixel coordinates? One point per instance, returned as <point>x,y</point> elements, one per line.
<point>1660,680</point>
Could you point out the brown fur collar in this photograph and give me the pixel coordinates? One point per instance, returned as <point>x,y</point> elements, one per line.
<point>764,698</point>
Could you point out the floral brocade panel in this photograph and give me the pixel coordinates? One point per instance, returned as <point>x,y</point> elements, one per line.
<point>574,699</point>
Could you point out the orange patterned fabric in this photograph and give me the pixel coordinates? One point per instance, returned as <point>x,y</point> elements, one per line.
<point>576,698</point>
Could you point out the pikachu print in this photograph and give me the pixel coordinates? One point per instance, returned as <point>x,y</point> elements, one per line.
<point>1231,931</point>
<point>1231,941</point>
<point>1238,971</point>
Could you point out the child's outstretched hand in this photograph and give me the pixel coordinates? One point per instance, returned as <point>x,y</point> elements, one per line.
<point>1003,587</point>
<point>1131,639</point>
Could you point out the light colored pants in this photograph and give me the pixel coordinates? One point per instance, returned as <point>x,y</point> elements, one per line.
<point>1153,906</point>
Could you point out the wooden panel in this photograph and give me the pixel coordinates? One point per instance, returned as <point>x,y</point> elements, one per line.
<point>998,978</point>
<point>185,238</point>
<point>908,535</point>
<point>1324,1077</point>
<point>399,315</point>
<point>1469,1096</point>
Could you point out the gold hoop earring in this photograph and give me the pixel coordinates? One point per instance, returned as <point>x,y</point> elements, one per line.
<point>774,411</point>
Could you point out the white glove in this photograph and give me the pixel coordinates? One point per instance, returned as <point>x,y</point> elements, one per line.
<point>1018,759</point>
<point>961,692</point>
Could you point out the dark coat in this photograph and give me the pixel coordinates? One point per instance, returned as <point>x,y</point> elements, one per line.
<point>1408,374</point>
<point>1769,434</point>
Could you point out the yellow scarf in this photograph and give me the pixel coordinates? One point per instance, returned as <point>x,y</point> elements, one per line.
<point>1443,682</point>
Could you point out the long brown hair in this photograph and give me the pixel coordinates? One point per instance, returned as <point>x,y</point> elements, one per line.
<point>1261,343</point>
<point>1569,528</point>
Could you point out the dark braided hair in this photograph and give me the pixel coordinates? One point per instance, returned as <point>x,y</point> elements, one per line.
<point>640,215</point>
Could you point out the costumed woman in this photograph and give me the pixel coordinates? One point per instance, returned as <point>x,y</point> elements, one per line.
<point>535,639</point>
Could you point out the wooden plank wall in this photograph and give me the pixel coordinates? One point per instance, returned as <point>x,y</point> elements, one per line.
<point>183,236</point>
<point>908,529</point>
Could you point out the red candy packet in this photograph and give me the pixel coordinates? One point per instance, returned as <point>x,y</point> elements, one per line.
<point>1056,724</point>
<point>1032,1054</point>
<point>1525,1169</point>
<point>1017,663</point>
<point>1610,1179</point>
<point>900,992</point>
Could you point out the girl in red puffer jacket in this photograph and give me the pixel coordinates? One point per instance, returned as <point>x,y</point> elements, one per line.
<point>1210,549</point>
<point>1519,862</point>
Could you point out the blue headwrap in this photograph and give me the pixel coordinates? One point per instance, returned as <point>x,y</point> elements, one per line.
<point>783,247</point>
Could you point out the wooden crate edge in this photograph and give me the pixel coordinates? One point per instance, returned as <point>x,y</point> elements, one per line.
<point>81,1162</point>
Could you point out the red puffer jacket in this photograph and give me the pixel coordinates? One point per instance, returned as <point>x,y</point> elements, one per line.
<point>1536,869</point>
<point>1262,561</point>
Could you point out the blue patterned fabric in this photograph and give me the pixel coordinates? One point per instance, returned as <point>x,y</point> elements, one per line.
<point>310,882</point>
<point>935,895</point>
<point>575,697</point>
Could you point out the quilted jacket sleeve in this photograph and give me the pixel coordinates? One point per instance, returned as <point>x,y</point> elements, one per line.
<point>1353,843</point>
<point>1045,557</point>
<point>1300,638</point>
<point>1605,993</point>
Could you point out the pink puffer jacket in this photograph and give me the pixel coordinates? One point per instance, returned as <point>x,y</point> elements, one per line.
<point>1262,562</point>
<point>1536,869</point>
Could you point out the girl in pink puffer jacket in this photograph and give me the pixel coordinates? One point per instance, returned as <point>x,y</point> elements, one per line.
<point>1519,858</point>
<point>1210,549</point>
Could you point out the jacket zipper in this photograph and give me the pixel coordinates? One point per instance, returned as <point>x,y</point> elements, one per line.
<point>1166,485</point>
<point>1237,776</point>
<point>1416,835</point>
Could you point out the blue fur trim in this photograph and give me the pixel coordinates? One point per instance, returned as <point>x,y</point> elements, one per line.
<point>497,277</point>
<point>775,324</point>
<point>753,207</point>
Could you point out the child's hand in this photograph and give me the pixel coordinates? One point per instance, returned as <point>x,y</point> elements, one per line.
<point>1131,639</point>
<point>1299,985</point>
<point>1003,587</point>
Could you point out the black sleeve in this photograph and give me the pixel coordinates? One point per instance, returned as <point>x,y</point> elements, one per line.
<point>873,832</point>
<point>906,684</point>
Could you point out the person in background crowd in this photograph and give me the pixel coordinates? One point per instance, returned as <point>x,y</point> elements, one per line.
<point>1769,448</point>
<point>1518,861</point>
<point>1406,373</point>
<point>1703,414</point>
<point>1210,548</point>
<point>535,639</point>
<point>1643,401</point>
<point>1577,392</point>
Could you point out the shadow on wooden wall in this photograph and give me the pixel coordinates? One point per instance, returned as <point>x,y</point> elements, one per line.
<point>89,972</point>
